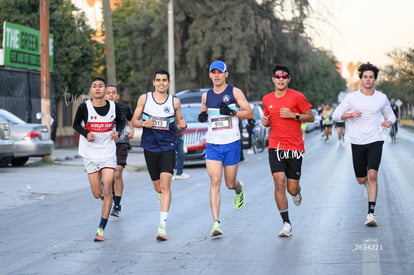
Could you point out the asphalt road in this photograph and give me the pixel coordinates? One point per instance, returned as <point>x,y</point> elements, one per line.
<point>48,224</point>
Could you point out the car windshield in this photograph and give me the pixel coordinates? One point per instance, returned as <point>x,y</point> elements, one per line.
<point>10,117</point>
<point>190,112</point>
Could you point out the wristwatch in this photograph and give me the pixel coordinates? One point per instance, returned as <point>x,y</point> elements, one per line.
<point>297,116</point>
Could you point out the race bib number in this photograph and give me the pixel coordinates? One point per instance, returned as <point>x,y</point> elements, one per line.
<point>221,123</point>
<point>161,123</point>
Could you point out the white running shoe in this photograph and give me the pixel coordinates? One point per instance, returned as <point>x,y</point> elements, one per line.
<point>297,199</point>
<point>370,220</point>
<point>183,176</point>
<point>286,230</point>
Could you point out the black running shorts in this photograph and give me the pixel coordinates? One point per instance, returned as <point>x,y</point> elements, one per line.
<point>121,153</point>
<point>289,162</point>
<point>365,157</point>
<point>159,162</point>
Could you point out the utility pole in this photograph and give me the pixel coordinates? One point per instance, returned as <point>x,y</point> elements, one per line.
<point>171,51</point>
<point>44,66</point>
<point>109,43</point>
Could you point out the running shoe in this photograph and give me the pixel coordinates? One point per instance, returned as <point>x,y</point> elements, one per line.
<point>239,198</point>
<point>183,176</point>
<point>370,220</point>
<point>297,199</point>
<point>116,211</point>
<point>216,231</point>
<point>162,233</point>
<point>99,236</point>
<point>286,230</point>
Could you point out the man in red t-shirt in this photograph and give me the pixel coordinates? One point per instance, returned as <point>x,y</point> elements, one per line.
<point>284,111</point>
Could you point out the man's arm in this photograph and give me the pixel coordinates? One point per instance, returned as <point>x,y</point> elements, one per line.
<point>203,116</point>
<point>80,116</point>
<point>119,119</point>
<point>137,117</point>
<point>179,120</point>
<point>246,111</point>
<point>306,116</point>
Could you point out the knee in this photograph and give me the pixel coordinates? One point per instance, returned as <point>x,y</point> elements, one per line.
<point>280,186</point>
<point>215,183</point>
<point>372,175</point>
<point>292,191</point>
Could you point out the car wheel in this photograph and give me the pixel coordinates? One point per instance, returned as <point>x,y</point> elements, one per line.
<point>19,161</point>
<point>4,162</point>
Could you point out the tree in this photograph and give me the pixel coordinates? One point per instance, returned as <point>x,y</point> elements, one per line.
<point>74,50</point>
<point>323,84</point>
<point>397,79</point>
<point>247,35</point>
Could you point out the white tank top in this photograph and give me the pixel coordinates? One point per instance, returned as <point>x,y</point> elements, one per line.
<point>101,126</point>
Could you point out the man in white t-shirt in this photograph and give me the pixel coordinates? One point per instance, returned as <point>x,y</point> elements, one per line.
<point>366,112</point>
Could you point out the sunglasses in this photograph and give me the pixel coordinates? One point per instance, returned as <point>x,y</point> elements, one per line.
<point>281,76</point>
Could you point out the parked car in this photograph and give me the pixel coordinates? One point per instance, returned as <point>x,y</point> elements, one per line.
<point>29,139</point>
<point>310,126</point>
<point>194,136</point>
<point>261,132</point>
<point>6,143</point>
<point>191,96</point>
<point>136,140</point>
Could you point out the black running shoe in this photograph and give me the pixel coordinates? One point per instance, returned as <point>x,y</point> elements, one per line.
<point>116,211</point>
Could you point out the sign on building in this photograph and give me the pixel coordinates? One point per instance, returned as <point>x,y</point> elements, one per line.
<point>21,47</point>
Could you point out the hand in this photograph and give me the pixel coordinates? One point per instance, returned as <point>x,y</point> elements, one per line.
<point>265,121</point>
<point>386,123</point>
<point>90,137</point>
<point>356,113</point>
<point>225,110</point>
<point>148,123</point>
<point>203,116</point>
<point>115,135</point>
<point>286,113</point>
<point>130,134</point>
<point>182,124</point>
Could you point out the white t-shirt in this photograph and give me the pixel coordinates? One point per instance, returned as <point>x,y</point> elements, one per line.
<point>367,128</point>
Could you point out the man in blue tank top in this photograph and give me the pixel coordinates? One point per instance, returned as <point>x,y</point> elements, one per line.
<point>222,107</point>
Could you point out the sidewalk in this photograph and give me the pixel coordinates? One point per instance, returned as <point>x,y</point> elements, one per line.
<point>409,125</point>
<point>69,156</point>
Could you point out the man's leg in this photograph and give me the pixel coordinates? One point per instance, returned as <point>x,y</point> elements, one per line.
<point>214,169</point>
<point>372,185</point>
<point>230,176</point>
<point>165,188</point>
<point>279,180</point>
<point>108,178</point>
<point>119,182</point>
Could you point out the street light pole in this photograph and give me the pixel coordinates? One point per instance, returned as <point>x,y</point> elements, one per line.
<point>171,51</point>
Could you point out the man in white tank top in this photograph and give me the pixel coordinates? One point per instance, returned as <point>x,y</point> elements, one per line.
<point>222,107</point>
<point>95,121</point>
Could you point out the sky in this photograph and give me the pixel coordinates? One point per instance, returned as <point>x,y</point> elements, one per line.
<point>363,30</point>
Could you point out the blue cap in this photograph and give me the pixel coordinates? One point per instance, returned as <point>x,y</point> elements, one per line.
<point>218,65</point>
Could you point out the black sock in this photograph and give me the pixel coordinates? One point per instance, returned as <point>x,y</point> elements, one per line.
<point>117,200</point>
<point>371,207</point>
<point>103,222</point>
<point>285,215</point>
